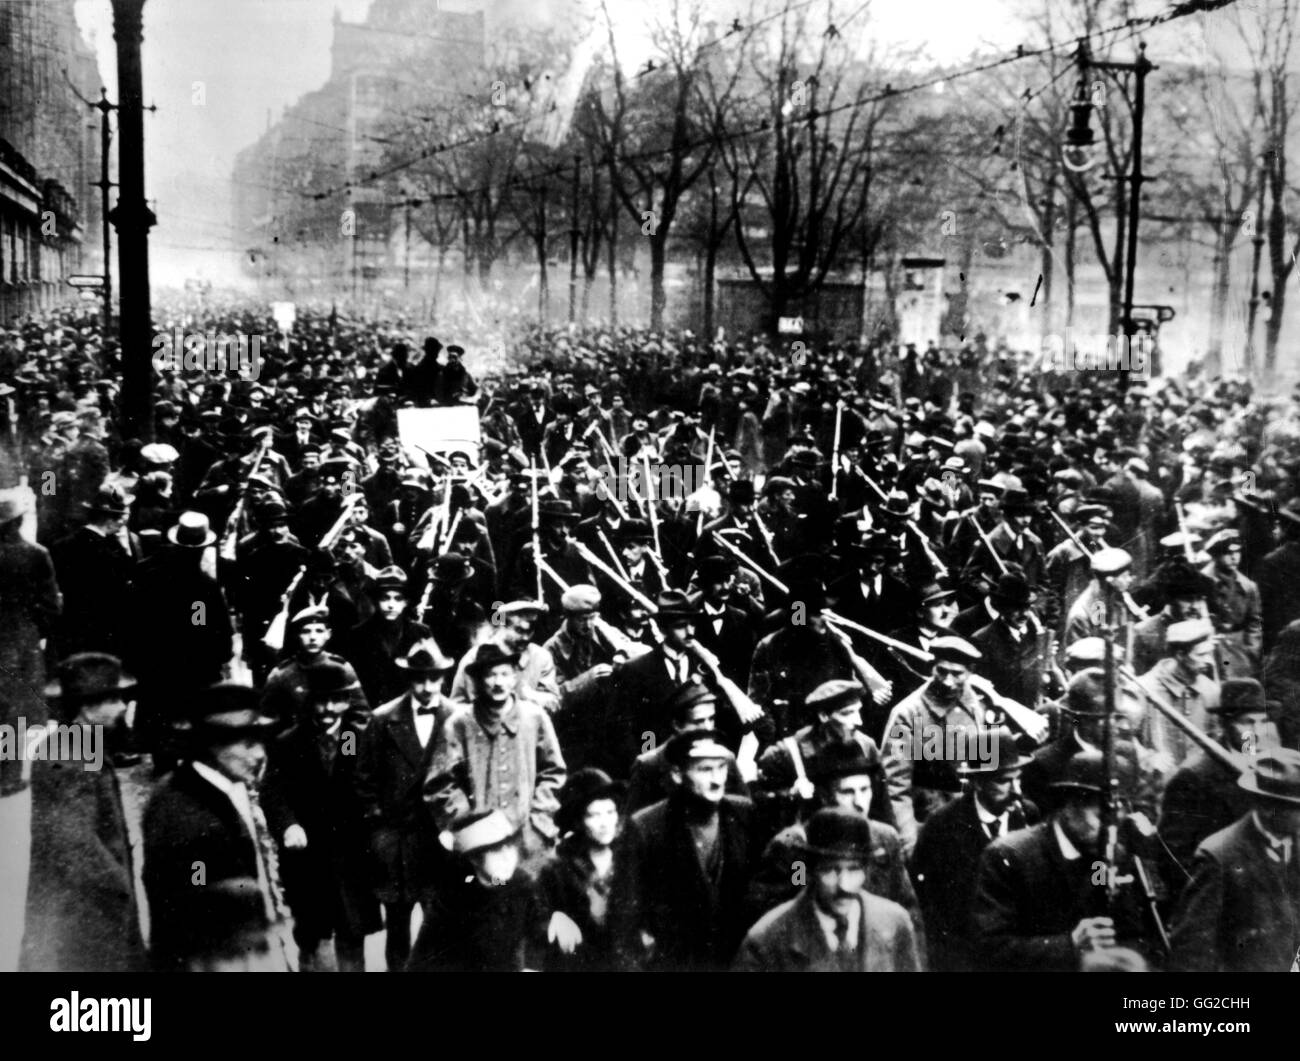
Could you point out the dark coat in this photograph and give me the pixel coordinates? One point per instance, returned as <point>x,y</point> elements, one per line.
<point>734,646</point>
<point>564,880</point>
<point>81,905</point>
<point>695,926</point>
<point>790,939</point>
<point>329,883</point>
<point>1014,668</point>
<point>1028,899</point>
<point>403,837</point>
<point>944,864</point>
<point>189,824</point>
<point>1200,799</point>
<point>1277,575</point>
<point>470,927</point>
<point>637,704</point>
<point>1240,913</point>
<point>94,573</point>
<point>371,649</point>
<point>652,780</point>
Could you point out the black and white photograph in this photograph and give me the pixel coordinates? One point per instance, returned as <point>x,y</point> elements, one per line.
<point>678,486</point>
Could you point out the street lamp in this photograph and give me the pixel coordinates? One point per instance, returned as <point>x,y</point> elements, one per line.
<point>1077,150</point>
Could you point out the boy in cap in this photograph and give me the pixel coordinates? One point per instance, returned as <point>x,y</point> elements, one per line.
<point>1181,680</point>
<point>285,696</point>
<point>834,925</point>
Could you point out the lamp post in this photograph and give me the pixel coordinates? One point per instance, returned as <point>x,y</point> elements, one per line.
<point>132,218</point>
<point>1079,156</point>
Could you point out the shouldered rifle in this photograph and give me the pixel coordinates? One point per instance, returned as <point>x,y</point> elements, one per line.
<point>1135,609</point>
<point>835,450</point>
<point>230,535</point>
<point>940,568</point>
<point>1002,564</point>
<point>537,540</point>
<point>273,639</point>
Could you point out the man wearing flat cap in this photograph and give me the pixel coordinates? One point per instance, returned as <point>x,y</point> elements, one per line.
<point>314,813</point>
<point>1234,607</point>
<point>82,909</point>
<point>945,715</point>
<point>835,924</point>
<point>1100,607</point>
<point>681,903</point>
<point>1067,568</point>
<point>211,865</point>
<point>951,841</point>
<point>391,767</point>
<point>1184,591</point>
<point>1241,910</point>
<point>1181,680</point>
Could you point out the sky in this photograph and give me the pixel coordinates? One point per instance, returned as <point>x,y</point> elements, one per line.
<point>217,68</point>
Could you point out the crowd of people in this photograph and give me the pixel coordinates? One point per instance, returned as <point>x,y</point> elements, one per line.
<point>942,662</point>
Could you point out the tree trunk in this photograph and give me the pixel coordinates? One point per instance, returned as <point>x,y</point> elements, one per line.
<point>710,269</point>
<point>1219,299</point>
<point>658,298</point>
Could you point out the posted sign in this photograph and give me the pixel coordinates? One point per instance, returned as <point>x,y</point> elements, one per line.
<point>440,429</point>
<point>285,313</point>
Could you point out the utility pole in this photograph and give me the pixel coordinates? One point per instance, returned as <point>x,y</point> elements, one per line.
<point>406,251</point>
<point>132,218</point>
<point>103,184</point>
<point>573,241</point>
<point>1258,240</point>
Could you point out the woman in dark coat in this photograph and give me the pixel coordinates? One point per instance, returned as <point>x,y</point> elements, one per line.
<point>577,881</point>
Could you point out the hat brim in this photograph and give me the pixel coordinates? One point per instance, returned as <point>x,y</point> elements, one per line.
<point>125,684</point>
<point>980,770</point>
<point>1246,782</point>
<point>209,538</point>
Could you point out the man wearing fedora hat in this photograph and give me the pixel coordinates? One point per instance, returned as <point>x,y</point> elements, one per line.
<point>1241,910</point>
<point>211,866</point>
<point>1203,796</point>
<point>1012,540</point>
<point>835,924</point>
<point>1184,591</point>
<point>498,752</point>
<point>513,626</point>
<point>82,909</point>
<point>391,767</point>
<point>316,817</point>
<point>1038,890</point>
<point>454,617</point>
<point>95,566</point>
<point>934,607</point>
<point>950,842</point>
<point>555,532</point>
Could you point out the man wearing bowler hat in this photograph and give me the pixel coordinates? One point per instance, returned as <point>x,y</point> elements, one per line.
<point>1012,645</point>
<point>1241,910</point>
<point>949,845</point>
<point>835,924</point>
<point>392,762</point>
<point>1203,796</point>
<point>315,815</point>
<point>82,911</point>
<point>211,867</point>
<point>1013,542</point>
<point>1038,891</point>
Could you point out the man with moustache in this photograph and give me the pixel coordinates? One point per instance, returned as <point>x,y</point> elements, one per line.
<point>936,608</point>
<point>835,924</point>
<point>951,841</point>
<point>500,752</point>
<point>391,765</point>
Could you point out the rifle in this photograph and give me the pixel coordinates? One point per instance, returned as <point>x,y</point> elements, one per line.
<point>273,639</point>
<point>1110,794</point>
<point>650,502</point>
<point>708,466</point>
<point>604,540</point>
<point>230,534</point>
<point>1002,564</point>
<point>1137,611</point>
<point>835,451</point>
<point>537,542</point>
<point>940,568</point>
